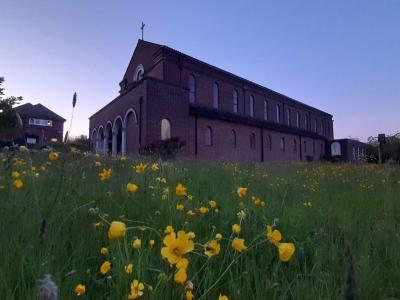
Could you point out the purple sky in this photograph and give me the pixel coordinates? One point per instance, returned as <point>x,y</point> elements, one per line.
<point>342,57</point>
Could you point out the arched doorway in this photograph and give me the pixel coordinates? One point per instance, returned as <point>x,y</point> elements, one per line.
<point>131,132</point>
<point>100,139</point>
<point>108,139</point>
<point>93,141</point>
<point>117,136</point>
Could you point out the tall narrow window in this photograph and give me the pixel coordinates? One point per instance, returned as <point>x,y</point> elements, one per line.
<point>305,146</point>
<point>233,138</point>
<point>322,127</point>
<point>251,106</point>
<point>192,89</point>
<point>313,147</point>
<point>289,117</point>
<point>294,145</point>
<point>165,129</point>
<point>253,141</point>
<point>235,101</point>
<point>306,121</point>
<point>278,113</point>
<point>265,110</point>
<point>297,119</point>
<point>208,136</point>
<point>315,125</point>
<point>270,142</point>
<point>283,144</point>
<point>215,95</point>
<point>354,152</point>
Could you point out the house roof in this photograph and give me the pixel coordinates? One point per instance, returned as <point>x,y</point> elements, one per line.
<point>38,111</point>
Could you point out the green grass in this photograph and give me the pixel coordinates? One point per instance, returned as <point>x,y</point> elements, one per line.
<point>347,243</point>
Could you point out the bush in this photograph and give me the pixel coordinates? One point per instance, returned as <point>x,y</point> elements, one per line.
<point>164,149</point>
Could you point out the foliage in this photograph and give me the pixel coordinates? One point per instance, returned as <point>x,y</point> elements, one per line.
<point>164,149</point>
<point>342,219</point>
<point>8,117</point>
<point>390,150</point>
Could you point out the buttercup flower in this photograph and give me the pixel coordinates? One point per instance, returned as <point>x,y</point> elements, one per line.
<point>18,183</point>
<point>80,290</point>
<point>189,295</point>
<point>183,263</point>
<point>97,164</point>
<point>169,229</point>
<point>273,236</point>
<point>131,188</point>
<point>212,248</point>
<point>15,174</point>
<point>176,246</point>
<point>190,213</point>
<point>129,269</point>
<point>212,203</point>
<point>180,190</point>
<point>53,155</point>
<point>140,168</point>
<point>223,297</point>
<point>137,243</point>
<point>236,228</point>
<point>180,276</point>
<point>241,191</point>
<point>136,290</point>
<point>286,250</point>
<point>151,242</point>
<point>105,174</point>
<point>218,236</point>
<point>154,167</point>
<point>180,207</point>
<point>105,267</point>
<point>117,230</point>
<point>203,210</point>
<point>104,251</point>
<point>238,245</point>
<point>191,235</point>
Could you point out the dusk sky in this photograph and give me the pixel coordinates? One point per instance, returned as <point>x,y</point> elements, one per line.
<point>342,57</point>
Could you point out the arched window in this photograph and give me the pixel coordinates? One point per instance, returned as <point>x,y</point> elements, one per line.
<point>253,141</point>
<point>294,145</point>
<point>208,136</point>
<point>139,72</point>
<point>251,106</point>
<point>233,138</point>
<point>265,110</point>
<point>278,113</point>
<point>270,142</point>
<point>283,144</point>
<point>235,101</point>
<point>215,95</point>
<point>297,119</point>
<point>192,89</point>
<point>289,116</point>
<point>165,129</point>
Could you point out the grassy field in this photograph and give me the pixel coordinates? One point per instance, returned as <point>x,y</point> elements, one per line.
<point>346,237</point>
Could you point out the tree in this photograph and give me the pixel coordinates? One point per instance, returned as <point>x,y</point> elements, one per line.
<point>390,150</point>
<point>8,117</point>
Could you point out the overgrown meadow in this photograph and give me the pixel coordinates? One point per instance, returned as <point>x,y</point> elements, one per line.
<point>130,228</point>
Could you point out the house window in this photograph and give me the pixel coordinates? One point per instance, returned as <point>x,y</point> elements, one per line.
<point>192,89</point>
<point>40,122</point>
<point>315,124</point>
<point>294,145</point>
<point>208,137</point>
<point>278,113</point>
<point>235,101</point>
<point>297,119</point>
<point>215,95</point>
<point>165,129</point>
<point>265,110</point>
<point>251,106</point>
<point>253,141</point>
<point>270,142</point>
<point>283,144</point>
<point>233,138</point>
<point>289,117</point>
<point>306,121</point>
<point>31,140</point>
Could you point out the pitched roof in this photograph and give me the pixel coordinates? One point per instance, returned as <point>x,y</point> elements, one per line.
<point>38,111</point>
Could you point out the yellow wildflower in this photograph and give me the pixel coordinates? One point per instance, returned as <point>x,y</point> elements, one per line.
<point>18,183</point>
<point>140,168</point>
<point>307,204</point>
<point>180,276</point>
<point>203,210</point>
<point>105,174</point>
<point>236,228</point>
<point>212,248</point>
<point>180,207</point>
<point>151,242</point>
<point>183,263</point>
<point>223,297</point>
<point>117,230</point>
<point>190,213</point>
<point>137,244</point>
<point>212,203</point>
<point>238,245</point>
<point>53,155</point>
<point>154,167</point>
<point>241,191</point>
<point>129,269</point>
<point>97,164</point>
<point>105,267</point>
<point>176,246</point>
<point>15,175</point>
<point>189,295</point>
<point>218,236</point>
<point>73,150</point>
<point>286,250</point>
<point>104,250</point>
<point>80,290</point>
<point>131,188</point>
<point>191,235</point>
<point>273,236</point>
<point>169,229</point>
<point>136,290</point>
<point>180,190</point>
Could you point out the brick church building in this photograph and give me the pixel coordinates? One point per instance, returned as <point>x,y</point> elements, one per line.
<point>165,93</point>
